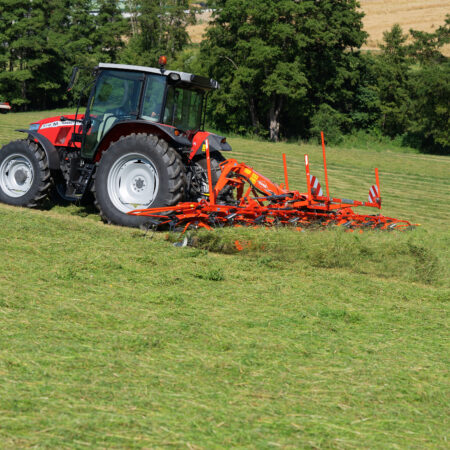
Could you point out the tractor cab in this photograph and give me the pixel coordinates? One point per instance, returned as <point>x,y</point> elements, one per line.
<point>173,102</point>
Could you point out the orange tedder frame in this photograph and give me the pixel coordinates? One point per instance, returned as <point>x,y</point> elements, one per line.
<point>260,202</point>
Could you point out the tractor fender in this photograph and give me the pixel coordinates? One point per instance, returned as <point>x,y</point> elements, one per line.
<point>217,144</point>
<point>50,151</point>
<point>126,128</point>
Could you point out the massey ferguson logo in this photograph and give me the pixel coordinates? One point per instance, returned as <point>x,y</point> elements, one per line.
<point>58,123</point>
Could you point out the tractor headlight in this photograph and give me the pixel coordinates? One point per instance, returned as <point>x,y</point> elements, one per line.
<point>34,127</point>
<point>174,77</point>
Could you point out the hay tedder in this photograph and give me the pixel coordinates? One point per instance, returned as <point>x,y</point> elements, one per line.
<point>260,202</point>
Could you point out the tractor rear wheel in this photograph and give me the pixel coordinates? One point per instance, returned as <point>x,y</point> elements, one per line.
<point>24,174</point>
<point>199,186</point>
<point>138,171</point>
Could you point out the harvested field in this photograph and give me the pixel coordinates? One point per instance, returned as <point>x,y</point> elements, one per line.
<point>113,338</point>
<point>196,31</point>
<point>417,14</point>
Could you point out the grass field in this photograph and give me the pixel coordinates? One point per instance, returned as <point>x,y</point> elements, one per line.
<point>380,15</point>
<point>114,338</point>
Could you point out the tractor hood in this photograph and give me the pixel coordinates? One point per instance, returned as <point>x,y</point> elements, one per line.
<point>55,122</point>
<point>58,129</point>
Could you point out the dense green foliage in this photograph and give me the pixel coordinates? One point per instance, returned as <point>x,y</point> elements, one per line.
<point>430,118</point>
<point>413,85</point>
<point>279,61</point>
<point>157,27</point>
<point>288,69</point>
<point>42,40</point>
<point>294,69</point>
<point>113,338</point>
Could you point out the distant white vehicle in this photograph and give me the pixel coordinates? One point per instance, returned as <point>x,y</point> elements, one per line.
<point>5,107</point>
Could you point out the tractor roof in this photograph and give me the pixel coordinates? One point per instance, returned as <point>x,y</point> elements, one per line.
<point>189,78</point>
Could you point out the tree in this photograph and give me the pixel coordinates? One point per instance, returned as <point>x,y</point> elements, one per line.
<point>429,86</point>
<point>392,71</point>
<point>426,46</point>
<point>41,40</point>
<point>430,113</point>
<point>366,112</point>
<point>23,51</point>
<point>110,29</point>
<point>158,27</point>
<point>277,57</point>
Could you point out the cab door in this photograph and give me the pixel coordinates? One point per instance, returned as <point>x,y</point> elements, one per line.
<point>115,98</point>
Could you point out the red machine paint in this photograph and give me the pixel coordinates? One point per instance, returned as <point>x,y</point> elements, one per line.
<point>59,132</point>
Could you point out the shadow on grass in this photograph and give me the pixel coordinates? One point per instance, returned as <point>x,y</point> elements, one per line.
<point>82,208</point>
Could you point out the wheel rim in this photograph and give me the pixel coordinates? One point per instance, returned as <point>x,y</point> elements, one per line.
<point>16,175</point>
<point>133,182</point>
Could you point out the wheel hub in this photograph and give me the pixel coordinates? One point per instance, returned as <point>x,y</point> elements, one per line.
<point>21,176</point>
<point>139,184</point>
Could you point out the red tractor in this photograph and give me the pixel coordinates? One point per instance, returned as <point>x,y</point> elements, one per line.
<point>139,144</point>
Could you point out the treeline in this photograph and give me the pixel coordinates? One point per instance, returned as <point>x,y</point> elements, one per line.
<point>287,69</point>
<point>290,69</point>
<point>41,40</point>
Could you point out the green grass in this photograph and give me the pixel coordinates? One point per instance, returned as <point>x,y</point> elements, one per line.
<point>369,141</point>
<point>116,338</point>
<point>14,121</point>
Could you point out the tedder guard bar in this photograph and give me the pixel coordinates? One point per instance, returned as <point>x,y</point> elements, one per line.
<point>260,202</point>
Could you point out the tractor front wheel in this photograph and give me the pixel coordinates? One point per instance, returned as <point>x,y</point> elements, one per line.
<point>24,174</point>
<point>138,171</point>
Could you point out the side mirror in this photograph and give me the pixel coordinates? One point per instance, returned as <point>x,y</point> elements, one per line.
<point>73,78</point>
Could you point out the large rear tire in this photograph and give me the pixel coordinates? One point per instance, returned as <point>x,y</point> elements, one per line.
<point>24,174</point>
<point>136,172</point>
<point>199,186</point>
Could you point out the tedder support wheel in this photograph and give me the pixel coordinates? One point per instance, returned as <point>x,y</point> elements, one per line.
<point>24,174</point>
<point>136,172</point>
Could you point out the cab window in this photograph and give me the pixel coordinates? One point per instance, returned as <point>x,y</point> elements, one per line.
<point>183,108</point>
<point>153,97</point>
<point>117,93</point>
<point>116,98</point>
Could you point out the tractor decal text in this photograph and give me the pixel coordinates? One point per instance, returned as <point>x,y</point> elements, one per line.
<point>58,123</point>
